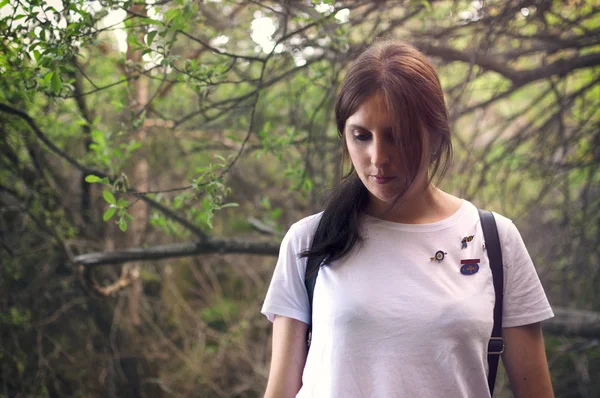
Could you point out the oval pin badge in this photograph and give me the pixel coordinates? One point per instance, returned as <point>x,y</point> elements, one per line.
<point>469,266</point>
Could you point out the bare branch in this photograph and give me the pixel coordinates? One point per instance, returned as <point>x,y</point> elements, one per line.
<point>45,140</point>
<point>66,307</point>
<point>239,99</point>
<point>176,250</point>
<point>517,77</point>
<point>133,76</point>
<point>572,322</point>
<point>216,50</point>
<point>263,228</point>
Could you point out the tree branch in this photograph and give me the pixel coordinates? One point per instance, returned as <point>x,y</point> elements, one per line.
<point>176,250</point>
<point>45,140</point>
<point>559,68</point>
<point>216,50</point>
<point>97,89</point>
<point>519,78</point>
<point>572,322</point>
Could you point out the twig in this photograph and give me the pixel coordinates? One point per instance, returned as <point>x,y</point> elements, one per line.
<point>225,53</point>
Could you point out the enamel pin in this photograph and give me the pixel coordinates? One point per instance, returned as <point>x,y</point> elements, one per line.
<point>469,266</point>
<point>439,256</point>
<point>465,240</point>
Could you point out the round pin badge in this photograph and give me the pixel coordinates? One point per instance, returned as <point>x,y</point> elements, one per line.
<point>439,256</point>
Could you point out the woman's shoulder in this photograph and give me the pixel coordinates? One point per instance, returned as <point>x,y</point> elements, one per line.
<point>306,225</point>
<point>510,237</point>
<point>503,223</point>
<point>300,234</point>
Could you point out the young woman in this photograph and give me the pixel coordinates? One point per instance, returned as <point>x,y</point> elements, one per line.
<point>393,315</point>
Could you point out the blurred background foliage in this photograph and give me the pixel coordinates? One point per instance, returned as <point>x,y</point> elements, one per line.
<point>152,154</point>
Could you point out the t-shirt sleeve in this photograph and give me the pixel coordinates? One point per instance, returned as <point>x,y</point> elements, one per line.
<point>525,301</point>
<point>287,294</point>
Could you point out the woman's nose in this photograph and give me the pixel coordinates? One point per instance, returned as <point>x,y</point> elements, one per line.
<point>380,156</point>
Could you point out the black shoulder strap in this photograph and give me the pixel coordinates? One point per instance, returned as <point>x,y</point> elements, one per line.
<point>494,252</point>
<point>310,280</point>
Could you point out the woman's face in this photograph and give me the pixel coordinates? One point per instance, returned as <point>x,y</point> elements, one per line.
<point>375,155</point>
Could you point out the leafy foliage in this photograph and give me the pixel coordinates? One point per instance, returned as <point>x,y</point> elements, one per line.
<point>129,124</point>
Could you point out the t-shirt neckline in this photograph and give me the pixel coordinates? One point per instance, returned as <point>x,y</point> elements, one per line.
<point>428,227</point>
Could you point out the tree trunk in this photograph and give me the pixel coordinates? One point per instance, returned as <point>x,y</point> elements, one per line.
<point>140,175</point>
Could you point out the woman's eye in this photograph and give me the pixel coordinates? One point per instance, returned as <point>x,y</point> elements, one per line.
<point>361,136</point>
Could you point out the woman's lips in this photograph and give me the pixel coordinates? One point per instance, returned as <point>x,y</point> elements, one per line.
<point>382,179</point>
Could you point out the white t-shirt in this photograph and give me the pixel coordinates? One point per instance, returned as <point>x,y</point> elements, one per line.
<point>390,322</point>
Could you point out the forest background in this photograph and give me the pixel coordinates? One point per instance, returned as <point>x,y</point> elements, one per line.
<point>152,154</point>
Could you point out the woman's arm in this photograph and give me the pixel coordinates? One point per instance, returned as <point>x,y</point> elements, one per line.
<point>525,361</point>
<point>288,357</point>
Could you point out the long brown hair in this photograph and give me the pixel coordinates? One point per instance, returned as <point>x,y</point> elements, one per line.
<point>410,87</point>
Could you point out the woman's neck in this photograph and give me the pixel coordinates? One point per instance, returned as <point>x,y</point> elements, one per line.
<point>425,206</point>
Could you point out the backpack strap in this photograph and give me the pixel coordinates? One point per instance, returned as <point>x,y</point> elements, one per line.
<point>310,280</point>
<point>494,252</point>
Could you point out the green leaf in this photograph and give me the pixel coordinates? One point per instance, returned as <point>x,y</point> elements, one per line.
<point>134,146</point>
<point>3,3</point>
<point>150,37</point>
<point>275,214</point>
<point>264,133</point>
<point>109,213</point>
<point>122,203</point>
<point>229,205</point>
<point>151,21</point>
<point>33,46</point>
<point>48,77</point>
<point>179,199</point>
<point>92,179</point>
<point>56,83</point>
<point>265,202</point>
<point>208,219</point>
<point>171,14</point>
<point>133,42</point>
<point>109,197</point>
<point>307,185</point>
<point>98,136</point>
<point>123,225</point>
